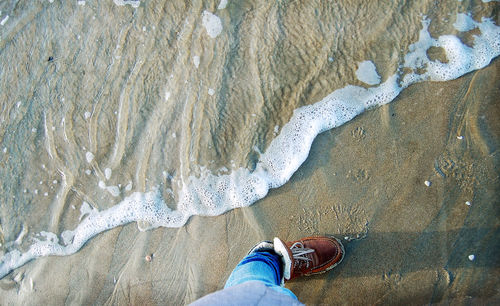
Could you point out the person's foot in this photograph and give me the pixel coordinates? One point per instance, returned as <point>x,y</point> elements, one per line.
<point>309,256</point>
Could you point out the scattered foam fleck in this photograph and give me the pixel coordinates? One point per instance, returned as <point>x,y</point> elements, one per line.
<point>107,173</point>
<point>211,91</point>
<point>4,20</point>
<point>212,24</point>
<point>81,2</point>
<point>196,61</point>
<point>113,190</point>
<point>367,73</point>
<point>89,156</point>
<point>132,3</point>
<point>129,186</point>
<point>101,185</point>
<point>222,4</point>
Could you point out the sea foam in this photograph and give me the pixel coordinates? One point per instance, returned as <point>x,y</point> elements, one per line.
<point>212,195</point>
<point>212,24</point>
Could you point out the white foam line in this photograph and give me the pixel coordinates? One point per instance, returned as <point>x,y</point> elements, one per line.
<point>211,194</point>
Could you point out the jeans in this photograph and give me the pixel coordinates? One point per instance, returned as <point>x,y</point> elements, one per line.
<point>263,266</point>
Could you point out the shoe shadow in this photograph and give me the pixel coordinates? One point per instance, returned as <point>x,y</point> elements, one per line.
<point>405,252</point>
<point>383,260</point>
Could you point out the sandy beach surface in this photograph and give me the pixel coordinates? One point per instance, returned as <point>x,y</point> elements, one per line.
<point>411,187</point>
<point>406,243</point>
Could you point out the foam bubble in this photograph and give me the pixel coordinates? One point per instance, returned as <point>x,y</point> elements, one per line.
<point>113,190</point>
<point>367,73</point>
<point>101,185</point>
<point>107,173</point>
<point>129,186</point>
<point>4,20</point>
<point>222,4</point>
<point>132,3</point>
<point>196,61</point>
<point>212,24</point>
<point>89,156</point>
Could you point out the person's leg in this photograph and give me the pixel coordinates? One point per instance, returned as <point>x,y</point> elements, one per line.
<point>261,265</point>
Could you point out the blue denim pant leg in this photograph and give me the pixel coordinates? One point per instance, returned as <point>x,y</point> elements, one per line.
<point>263,266</point>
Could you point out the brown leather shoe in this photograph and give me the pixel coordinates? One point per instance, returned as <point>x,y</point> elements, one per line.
<point>309,256</point>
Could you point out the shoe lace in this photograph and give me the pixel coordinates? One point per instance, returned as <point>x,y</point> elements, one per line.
<point>299,253</point>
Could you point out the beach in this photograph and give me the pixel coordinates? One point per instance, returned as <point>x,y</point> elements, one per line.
<point>163,95</point>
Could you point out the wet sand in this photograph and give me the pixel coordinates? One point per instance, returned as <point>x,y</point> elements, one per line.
<point>407,243</point>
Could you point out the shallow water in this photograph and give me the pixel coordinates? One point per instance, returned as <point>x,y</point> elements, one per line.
<point>100,101</point>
